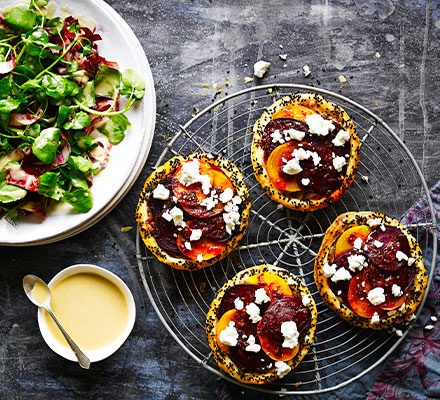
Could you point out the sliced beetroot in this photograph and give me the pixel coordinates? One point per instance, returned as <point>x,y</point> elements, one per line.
<point>212,228</point>
<point>385,257</point>
<point>190,201</point>
<point>157,206</point>
<point>245,292</point>
<point>386,279</point>
<point>340,288</point>
<point>164,232</point>
<point>358,300</point>
<point>288,308</point>
<point>248,361</point>
<point>392,302</point>
<point>280,124</point>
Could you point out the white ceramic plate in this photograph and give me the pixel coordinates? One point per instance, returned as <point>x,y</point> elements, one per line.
<point>102,353</point>
<point>126,159</point>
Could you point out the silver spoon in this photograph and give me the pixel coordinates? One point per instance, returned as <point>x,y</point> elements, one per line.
<point>42,299</point>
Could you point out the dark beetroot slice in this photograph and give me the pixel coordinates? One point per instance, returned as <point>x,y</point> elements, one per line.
<point>281,124</point>
<point>164,232</point>
<point>213,228</point>
<point>288,308</point>
<point>341,261</point>
<point>324,179</point>
<point>245,360</point>
<point>159,206</point>
<point>244,291</point>
<point>386,279</point>
<point>385,257</point>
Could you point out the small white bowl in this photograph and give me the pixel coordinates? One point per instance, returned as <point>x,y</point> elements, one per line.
<point>93,355</point>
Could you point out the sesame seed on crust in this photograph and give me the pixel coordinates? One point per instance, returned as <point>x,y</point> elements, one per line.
<point>326,254</point>
<point>300,200</point>
<point>223,360</point>
<point>143,212</point>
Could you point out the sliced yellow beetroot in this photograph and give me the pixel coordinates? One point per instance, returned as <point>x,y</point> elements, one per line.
<point>205,247</point>
<point>274,166</point>
<point>358,300</point>
<point>223,324</point>
<point>298,113</point>
<point>274,285</point>
<point>347,239</point>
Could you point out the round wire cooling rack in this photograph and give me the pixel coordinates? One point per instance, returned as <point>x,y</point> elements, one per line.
<point>388,180</point>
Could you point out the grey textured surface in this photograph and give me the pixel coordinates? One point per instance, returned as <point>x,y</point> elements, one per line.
<point>189,45</point>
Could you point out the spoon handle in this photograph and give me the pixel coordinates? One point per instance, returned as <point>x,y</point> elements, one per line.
<point>83,361</point>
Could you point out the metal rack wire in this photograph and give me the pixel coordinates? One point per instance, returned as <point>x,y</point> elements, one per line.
<point>288,239</point>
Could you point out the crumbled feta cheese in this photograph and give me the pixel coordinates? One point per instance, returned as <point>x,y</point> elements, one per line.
<point>433,318</point>
<point>411,261</point>
<point>238,304</point>
<point>319,125</point>
<point>199,257</point>
<point>375,318</point>
<point>277,137</point>
<point>190,174</point>
<point>177,216</point>
<point>373,222</point>
<point>356,262</point>
<point>231,214</point>
<point>261,296</point>
<point>227,195</point>
<point>305,181</point>
<point>339,292</point>
<point>399,333</point>
<point>211,201</point>
<point>382,228</point>
<point>167,216</point>
<point>283,57</point>
<point>260,68</point>
<point>229,335</point>
<point>161,192</point>
<point>290,333</point>
<point>376,296</point>
<point>188,246</point>
<point>341,275</point>
<point>294,134</point>
<point>429,327</point>
<point>358,243</point>
<point>254,312</point>
<point>282,368</point>
<point>378,244</point>
<point>341,138</point>
<point>196,234</point>
<point>306,70</point>
<point>292,166</point>
<point>377,55</point>
<point>339,162</point>
<point>329,270</point>
<point>342,78</point>
<point>306,299</point>
<point>400,255</point>
<point>396,290</point>
<point>252,346</point>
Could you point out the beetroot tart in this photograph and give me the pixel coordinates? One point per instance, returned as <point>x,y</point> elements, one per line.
<point>261,324</point>
<point>193,211</point>
<point>370,270</point>
<point>305,151</point>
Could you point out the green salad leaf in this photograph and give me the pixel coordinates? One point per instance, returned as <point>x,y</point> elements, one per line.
<point>81,200</point>
<point>107,81</point>
<point>46,144</point>
<point>9,193</point>
<point>114,128</point>
<point>132,82</point>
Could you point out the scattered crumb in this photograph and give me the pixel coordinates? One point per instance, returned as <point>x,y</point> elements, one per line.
<point>281,46</point>
<point>248,79</point>
<point>226,81</point>
<point>202,287</point>
<point>260,68</point>
<point>429,327</point>
<point>399,332</point>
<point>15,326</point>
<point>297,384</point>
<point>261,260</point>
<point>282,390</point>
<point>215,109</point>
<point>126,228</point>
<point>206,86</point>
<point>280,207</point>
<point>203,95</point>
<point>306,70</point>
<point>377,55</point>
<point>283,57</point>
<point>196,111</point>
<point>433,318</point>
<point>365,178</point>
<point>269,90</point>
<point>341,87</point>
<point>342,78</point>
<point>376,103</point>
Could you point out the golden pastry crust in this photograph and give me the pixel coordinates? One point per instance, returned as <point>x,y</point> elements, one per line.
<point>301,200</point>
<point>326,255</point>
<point>143,212</point>
<point>223,360</point>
